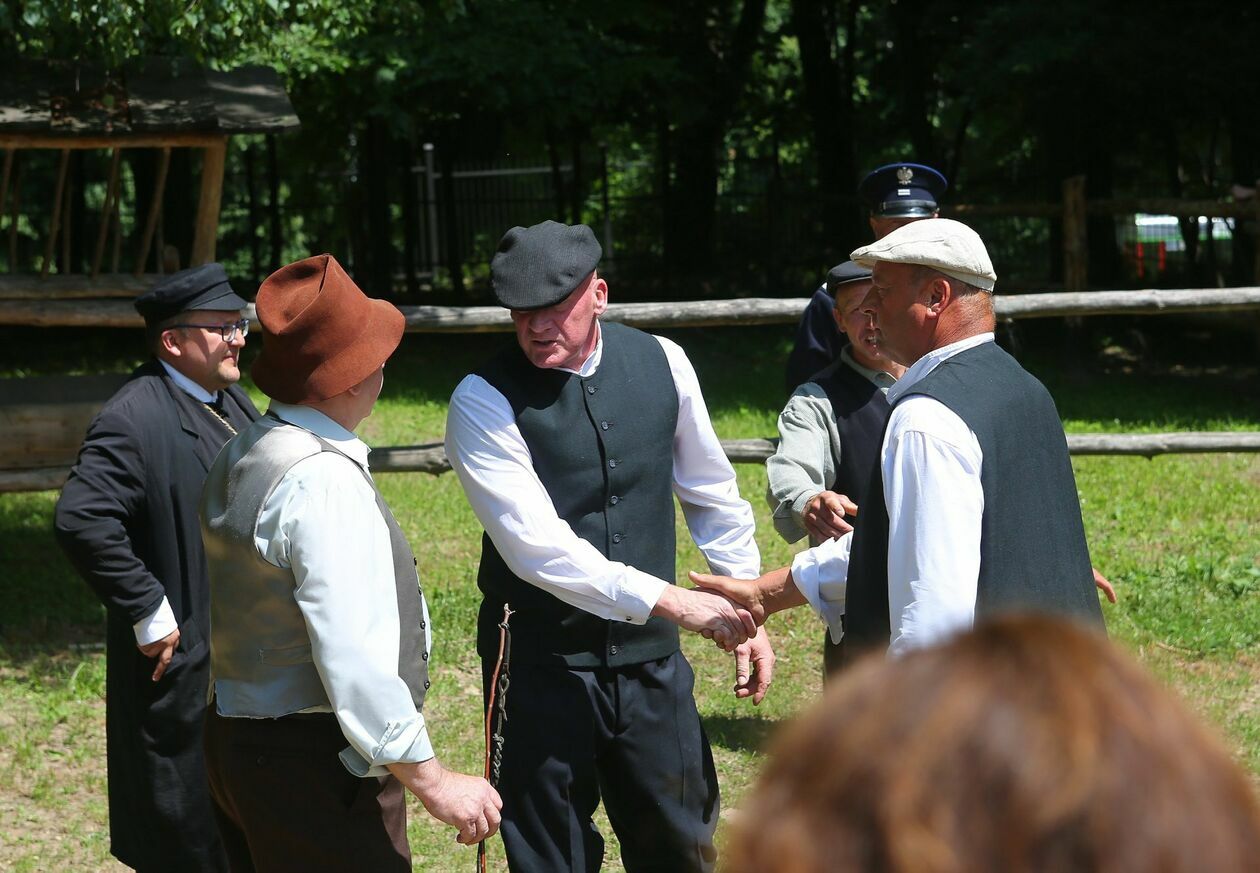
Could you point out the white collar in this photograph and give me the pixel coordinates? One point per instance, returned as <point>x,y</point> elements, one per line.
<point>591,364</point>
<point>931,361</point>
<point>322,426</point>
<point>188,386</point>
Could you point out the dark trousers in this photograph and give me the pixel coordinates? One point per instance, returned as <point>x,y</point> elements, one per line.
<point>629,734</point>
<point>285,802</point>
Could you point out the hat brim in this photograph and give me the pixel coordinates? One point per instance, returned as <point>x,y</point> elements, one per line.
<point>381,334</point>
<point>228,300</point>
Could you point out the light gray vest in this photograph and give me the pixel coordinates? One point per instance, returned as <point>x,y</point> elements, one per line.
<point>260,653</point>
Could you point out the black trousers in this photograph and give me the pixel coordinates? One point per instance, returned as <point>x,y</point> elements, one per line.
<point>285,802</point>
<point>630,735</point>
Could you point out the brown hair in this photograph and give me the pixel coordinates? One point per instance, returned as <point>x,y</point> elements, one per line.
<point>1027,745</point>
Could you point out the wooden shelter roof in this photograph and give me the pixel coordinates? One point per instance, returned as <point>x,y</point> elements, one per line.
<point>153,98</point>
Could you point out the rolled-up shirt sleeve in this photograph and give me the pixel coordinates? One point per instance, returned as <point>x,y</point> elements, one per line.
<point>797,471</point>
<point>720,521</point>
<point>495,468</point>
<point>323,523</point>
<point>821,574</point>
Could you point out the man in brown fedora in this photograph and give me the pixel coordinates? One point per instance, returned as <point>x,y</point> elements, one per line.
<point>319,643</point>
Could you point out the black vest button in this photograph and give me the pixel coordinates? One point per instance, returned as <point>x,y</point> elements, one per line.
<point>614,500</point>
<point>421,625</point>
<point>604,425</point>
<point>590,389</point>
<point>612,650</point>
<point>426,684</point>
<point>616,538</point>
<point>424,656</point>
<point>612,462</point>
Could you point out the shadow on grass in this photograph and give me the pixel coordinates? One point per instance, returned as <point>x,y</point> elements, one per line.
<point>744,733</point>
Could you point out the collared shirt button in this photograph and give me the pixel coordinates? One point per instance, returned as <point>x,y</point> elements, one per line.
<point>614,500</point>
<point>612,462</point>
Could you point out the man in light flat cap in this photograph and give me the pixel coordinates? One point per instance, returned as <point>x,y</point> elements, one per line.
<point>894,195</point>
<point>320,638</point>
<point>127,519</point>
<point>979,512</point>
<point>830,431</point>
<point>571,447</point>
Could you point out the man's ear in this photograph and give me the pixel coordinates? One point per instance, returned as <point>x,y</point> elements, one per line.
<point>169,344</point>
<point>600,289</point>
<point>940,295</point>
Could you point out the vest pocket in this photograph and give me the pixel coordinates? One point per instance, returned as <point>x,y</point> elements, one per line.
<point>286,656</point>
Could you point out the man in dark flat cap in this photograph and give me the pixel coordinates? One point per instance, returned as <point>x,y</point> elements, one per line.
<point>830,430</point>
<point>571,448</point>
<point>127,519</point>
<point>894,194</point>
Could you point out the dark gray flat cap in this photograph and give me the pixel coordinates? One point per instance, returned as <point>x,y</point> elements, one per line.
<point>843,274</point>
<point>203,287</point>
<point>536,267</point>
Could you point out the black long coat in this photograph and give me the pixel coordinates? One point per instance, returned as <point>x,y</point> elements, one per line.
<point>127,519</point>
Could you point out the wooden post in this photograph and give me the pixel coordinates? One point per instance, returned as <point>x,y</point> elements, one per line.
<point>69,228</point>
<point>155,209</point>
<point>1075,238</point>
<point>4,185</point>
<point>1255,199</point>
<point>50,245</point>
<point>107,213</point>
<point>13,220</point>
<point>206,230</point>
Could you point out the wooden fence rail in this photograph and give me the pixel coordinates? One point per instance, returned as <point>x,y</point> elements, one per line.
<point>431,457</point>
<point>698,313</point>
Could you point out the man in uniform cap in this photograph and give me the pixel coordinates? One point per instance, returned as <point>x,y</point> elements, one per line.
<point>127,519</point>
<point>320,640</point>
<point>979,512</point>
<point>571,448</point>
<point>830,430</point>
<point>894,194</point>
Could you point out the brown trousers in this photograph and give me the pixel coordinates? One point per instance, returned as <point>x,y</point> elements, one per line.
<point>284,801</point>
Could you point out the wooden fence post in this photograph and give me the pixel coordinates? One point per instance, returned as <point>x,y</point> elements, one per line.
<point>1075,237</point>
<point>1255,199</point>
<point>206,230</point>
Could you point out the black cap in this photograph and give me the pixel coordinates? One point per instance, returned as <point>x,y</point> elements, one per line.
<point>843,274</point>
<point>204,287</point>
<point>902,190</point>
<point>536,267</point>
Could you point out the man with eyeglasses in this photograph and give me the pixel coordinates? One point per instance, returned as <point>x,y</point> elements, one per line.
<point>127,519</point>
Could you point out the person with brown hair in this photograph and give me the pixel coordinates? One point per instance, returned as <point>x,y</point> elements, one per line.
<point>1029,744</point>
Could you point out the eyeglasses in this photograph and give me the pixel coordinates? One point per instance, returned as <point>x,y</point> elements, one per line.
<point>227,331</point>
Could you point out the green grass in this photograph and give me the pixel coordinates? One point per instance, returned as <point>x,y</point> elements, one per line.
<point>1176,534</point>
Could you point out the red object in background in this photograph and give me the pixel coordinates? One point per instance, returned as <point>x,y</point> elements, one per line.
<point>1138,256</point>
<point>1163,257</point>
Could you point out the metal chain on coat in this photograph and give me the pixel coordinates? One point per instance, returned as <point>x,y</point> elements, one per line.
<point>496,714</point>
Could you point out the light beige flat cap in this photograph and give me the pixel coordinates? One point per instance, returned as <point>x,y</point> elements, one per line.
<point>945,245</point>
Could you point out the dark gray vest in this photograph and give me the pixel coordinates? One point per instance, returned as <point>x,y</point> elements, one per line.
<point>861,412</point>
<point>260,652</point>
<point>1033,555</point>
<point>603,448</point>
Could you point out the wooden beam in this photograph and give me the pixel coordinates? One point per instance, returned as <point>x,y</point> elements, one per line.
<point>121,140</point>
<point>155,210</point>
<point>35,309</point>
<point>75,286</point>
<point>4,184</point>
<point>1075,235</point>
<point>206,229</point>
<point>13,220</point>
<point>50,244</point>
<point>107,212</point>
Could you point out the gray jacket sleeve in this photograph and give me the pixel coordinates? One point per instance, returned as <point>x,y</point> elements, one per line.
<point>804,462</point>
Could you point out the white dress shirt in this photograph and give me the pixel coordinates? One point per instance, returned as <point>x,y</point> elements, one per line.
<point>161,622</point>
<point>493,462</point>
<point>322,522</point>
<point>931,465</point>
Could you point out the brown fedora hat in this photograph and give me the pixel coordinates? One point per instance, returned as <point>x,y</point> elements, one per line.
<point>321,333</point>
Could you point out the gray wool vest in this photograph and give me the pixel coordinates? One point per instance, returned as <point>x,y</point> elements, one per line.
<point>260,652</point>
<point>1033,554</point>
<point>603,448</point>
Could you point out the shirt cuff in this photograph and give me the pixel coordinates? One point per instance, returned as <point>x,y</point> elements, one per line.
<point>638,596</point>
<point>820,574</point>
<point>157,626</point>
<point>798,505</point>
<point>404,742</point>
